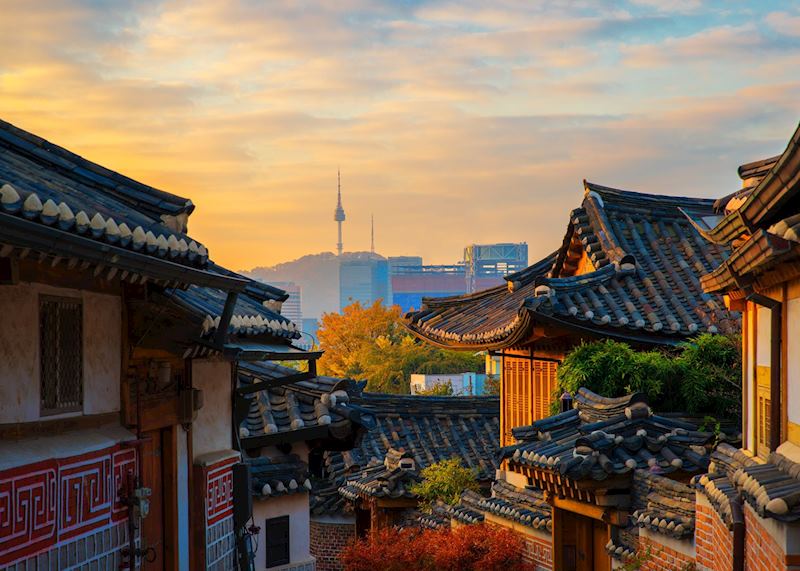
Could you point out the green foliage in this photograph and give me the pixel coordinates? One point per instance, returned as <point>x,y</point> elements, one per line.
<point>371,343</point>
<point>445,481</point>
<point>700,376</point>
<point>440,390</point>
<point>492,385</point>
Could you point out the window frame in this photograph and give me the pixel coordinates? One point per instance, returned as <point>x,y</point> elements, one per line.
<point>286,560</point>
<point>43,410</point>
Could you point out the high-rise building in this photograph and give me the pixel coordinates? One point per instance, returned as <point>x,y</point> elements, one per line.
<point>487,264</point>
<point>364,278</point>
<point>292,307</point>
<point>411,281</point>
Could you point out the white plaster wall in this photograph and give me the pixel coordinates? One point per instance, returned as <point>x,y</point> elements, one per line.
<point>212,429</point>
<point>296,507</point>
<point>102,352</point>
<point>19,351</point>
<point>19,354</point>
<point>793,362</point>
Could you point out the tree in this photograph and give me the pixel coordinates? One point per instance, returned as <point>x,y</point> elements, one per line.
<point>438,390</point>
<point>700,376</point>
<point>371,343</point>
<point>445,481</point>
<point>468,548</point>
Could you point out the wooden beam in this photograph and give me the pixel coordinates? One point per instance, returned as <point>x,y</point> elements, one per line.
<point>225,319</point>
<point>43,428</point>
<point>607,515</point>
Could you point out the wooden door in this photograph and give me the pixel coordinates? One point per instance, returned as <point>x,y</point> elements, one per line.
<point>600,559</point>
<point>582,543</point>
<point>153,525</point>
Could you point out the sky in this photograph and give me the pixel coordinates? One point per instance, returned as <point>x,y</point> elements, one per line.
<point>452,122</point>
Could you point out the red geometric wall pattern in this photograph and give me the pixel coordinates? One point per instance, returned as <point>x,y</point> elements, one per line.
<point>219,492</point>
<point>49,502</point>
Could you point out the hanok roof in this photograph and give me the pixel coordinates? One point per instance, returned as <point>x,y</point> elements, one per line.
<point>430,429</point>
<point>644,285</point>
<point>621,436</point>
<point>63,206</point>
<point>315,408</point>
<point>393,478</point>
<point>278,476</point>
<point>667,506</point>
<point>525,506</point>
<point>764,225</point>
<point>771,489</point>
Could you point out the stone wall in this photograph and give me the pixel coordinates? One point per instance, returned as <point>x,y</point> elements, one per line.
<point>327,541</point>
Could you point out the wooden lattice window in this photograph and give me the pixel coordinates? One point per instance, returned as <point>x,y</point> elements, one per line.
<point>61,354</point>
<point>528,387</point>
<point>763,411</point>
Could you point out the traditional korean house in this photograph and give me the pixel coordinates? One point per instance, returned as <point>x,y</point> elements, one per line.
<point>95,461</point>
<point>600,485</point>
<point>141,404</point>
<point>761,278</point>
<point>628,269</point>
<point>259,415</point>
<point>369,486</point>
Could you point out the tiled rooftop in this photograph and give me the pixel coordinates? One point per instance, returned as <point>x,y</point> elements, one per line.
<point>622,435</point>
<point>45,184</point>
<point>429,429</point>
<point>645,283</point>
<point>278,476</point>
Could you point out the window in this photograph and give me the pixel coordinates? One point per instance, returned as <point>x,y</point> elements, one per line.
<point>277,548</point>
<point>61,354</point>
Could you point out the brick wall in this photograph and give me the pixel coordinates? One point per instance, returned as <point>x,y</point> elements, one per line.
<point>761,551</point>
<point>662,557</point>
<point>713,540</point>
<point>327,542</point>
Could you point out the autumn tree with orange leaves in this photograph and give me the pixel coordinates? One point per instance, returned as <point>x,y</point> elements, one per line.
<point>371,343</point>
<point>467,548</point>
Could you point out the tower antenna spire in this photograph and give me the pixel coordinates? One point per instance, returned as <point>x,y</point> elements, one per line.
<point>372,232</point>
<point>338,214</point>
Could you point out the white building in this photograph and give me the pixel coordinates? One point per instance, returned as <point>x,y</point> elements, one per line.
<point>463,384</point>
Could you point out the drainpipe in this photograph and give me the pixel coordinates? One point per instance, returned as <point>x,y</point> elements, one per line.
<point>776,332</point>
<point>737,517</point>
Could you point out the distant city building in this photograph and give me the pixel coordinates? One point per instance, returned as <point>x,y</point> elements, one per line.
<point>411,281</point>
<point>309,338</point>
<point>487,264</point>
<point>292,307</point>
<point>463,384</point>
<point>364,278</point>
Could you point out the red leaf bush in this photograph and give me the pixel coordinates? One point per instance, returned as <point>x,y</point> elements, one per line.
<point>467,548</point>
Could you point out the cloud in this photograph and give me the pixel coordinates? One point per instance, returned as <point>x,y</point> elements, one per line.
<point>452,122</point>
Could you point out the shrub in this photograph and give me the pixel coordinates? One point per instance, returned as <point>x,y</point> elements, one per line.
<point>445,481</point>
<point>467,548</point>
<point>699,376</point>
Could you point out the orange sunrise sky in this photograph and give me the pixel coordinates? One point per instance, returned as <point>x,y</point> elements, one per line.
<point>452,122</point>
